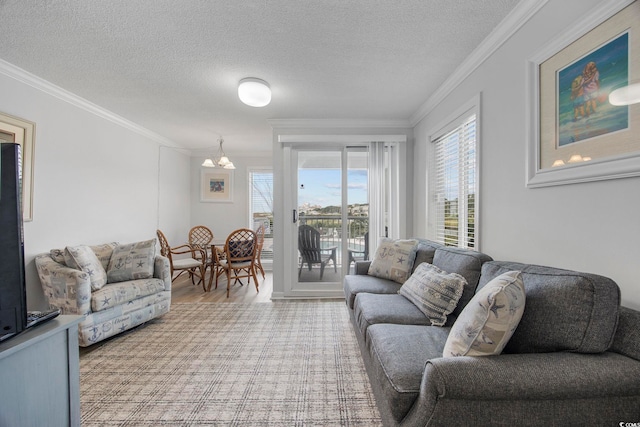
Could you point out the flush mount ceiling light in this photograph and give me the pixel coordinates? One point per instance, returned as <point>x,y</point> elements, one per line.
<point>254,92</point>
<point>625,95</point>
<point>220,159</point>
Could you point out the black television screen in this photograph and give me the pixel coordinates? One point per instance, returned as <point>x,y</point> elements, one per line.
<point>13,304</point>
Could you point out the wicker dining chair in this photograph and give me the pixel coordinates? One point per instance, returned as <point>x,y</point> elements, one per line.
<point>217,266</point>
<point>201,237</point>
<point>260,241</point>
<point>240,249</point>
<point>194,265</point>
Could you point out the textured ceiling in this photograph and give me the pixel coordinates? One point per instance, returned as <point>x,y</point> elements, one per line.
<point>173,66</point>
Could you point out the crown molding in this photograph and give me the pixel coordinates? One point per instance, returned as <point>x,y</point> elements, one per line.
<point>339,139</point>
<point>200,152</point>
<point>49,88</point>
<point>520,15</point>
<point>337,123</point>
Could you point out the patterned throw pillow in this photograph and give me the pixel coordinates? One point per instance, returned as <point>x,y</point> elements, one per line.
<point>434,291</point>
<point>58,256</point>
<point>132,261</point>
<point>83,258</point>
<point>394,259</point>
<point>488,321</point>
<point>104,252</point>
<point>69,261</point>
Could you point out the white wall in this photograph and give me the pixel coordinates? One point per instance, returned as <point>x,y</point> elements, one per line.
<point>95,181</point>
<point>174,209</point>
<point>223,218</point>
<point>591,227</point>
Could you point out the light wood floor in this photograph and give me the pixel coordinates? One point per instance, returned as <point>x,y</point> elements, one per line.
<point>182,290</point>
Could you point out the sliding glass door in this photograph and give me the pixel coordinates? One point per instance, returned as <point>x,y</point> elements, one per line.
<point>330,218</point>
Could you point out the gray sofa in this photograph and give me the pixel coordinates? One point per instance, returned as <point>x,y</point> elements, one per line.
<point>574,358</point>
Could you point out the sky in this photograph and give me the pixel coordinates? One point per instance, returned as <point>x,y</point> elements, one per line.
<point>323,186</point>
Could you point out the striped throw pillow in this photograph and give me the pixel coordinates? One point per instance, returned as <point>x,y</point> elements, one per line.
<point>434,291</point>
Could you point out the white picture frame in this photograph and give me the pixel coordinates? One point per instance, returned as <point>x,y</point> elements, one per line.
<point>216,185</point>
<point>596,29</point>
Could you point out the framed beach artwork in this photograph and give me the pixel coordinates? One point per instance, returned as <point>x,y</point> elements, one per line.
<point>20,131</point>
<point>575,134</point>
<point>216,185</point>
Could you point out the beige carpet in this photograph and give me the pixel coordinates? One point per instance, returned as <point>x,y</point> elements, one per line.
<point>293,363</point>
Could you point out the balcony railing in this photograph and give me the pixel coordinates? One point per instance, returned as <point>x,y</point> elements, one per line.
<point>330,228</point>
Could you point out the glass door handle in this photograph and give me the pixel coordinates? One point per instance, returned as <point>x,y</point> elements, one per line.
<point>295,216</point>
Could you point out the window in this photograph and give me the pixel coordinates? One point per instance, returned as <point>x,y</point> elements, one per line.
<point>455,184</point>
<point>261,207</point>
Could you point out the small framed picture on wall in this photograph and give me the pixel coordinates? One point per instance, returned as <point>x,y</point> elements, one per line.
<point>216,186</point>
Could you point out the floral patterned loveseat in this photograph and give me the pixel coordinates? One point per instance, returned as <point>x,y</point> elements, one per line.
<point>116,287</point>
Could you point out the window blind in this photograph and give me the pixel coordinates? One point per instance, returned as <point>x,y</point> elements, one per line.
<point>455,185</point>
<point>261,206</point>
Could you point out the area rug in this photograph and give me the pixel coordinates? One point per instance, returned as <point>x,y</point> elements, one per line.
<point>289,363</point>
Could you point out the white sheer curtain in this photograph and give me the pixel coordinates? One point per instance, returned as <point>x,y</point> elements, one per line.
<point>383,192</point>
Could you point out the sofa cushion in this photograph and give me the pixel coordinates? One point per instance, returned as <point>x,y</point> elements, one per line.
<point>371,309</point>
<point>488,321</point>
<point>103,324</point>
<point>394,259</point>
<point>120,293</point>
<point>132,261</point>
<point>83,258</point>
<point>355,284</point>
<point>398,357</point>
<point>434,291</point>
<point>627,336</point>
<point>566,310</point>
<point>466,263</point>
<point>425,252</point>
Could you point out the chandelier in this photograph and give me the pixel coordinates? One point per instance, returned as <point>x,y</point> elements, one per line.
<point>220,159</point>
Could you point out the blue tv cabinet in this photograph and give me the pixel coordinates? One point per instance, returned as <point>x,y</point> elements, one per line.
<point>40,375</point>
